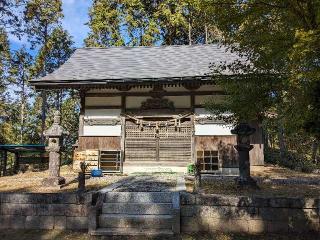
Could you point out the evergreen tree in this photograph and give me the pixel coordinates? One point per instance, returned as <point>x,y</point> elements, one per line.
<point>19,75</point>
<point>280,41</point>
<point>145,23</point>
<point>4,67</point>
<point>42,17</point>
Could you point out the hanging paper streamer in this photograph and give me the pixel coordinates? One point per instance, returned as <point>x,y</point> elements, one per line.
<point>176,122</point>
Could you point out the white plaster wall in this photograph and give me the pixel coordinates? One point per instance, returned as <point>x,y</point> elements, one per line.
<point>203,113</point>
<point>102,113</point>
<point>201,100</point>
<point>103,101</point>
<point>213,129</point>
<point>102,130</point>
<point>135,102</point>
<point>180,101</point>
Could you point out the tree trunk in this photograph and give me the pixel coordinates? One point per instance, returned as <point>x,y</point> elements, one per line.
<point>22,120</point>
<point>206,33</point>
<point>315,148</point>
<point>58,105</point>
<point>282,145</point>
<point>43,115</point>
<point>190,32</point>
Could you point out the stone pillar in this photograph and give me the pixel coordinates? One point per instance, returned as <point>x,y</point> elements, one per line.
<point>55,136</point>
<point>243,132</point>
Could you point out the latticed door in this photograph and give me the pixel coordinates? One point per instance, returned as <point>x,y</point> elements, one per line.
<point>166,143</point>
<point>140,145</point>
<point>175,143</point>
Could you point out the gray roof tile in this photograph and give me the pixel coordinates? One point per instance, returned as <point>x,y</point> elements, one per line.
<point>121,63</point>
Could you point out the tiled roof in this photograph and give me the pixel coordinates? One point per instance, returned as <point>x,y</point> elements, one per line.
<point>119,64</point>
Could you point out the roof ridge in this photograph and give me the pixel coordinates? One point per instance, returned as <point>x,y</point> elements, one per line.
<point>160,46</point>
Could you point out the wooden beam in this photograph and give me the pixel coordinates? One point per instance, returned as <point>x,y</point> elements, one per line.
<point>103,107</point>
<point>143,94</point>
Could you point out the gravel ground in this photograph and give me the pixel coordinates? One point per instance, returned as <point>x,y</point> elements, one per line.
<point>149,183</point>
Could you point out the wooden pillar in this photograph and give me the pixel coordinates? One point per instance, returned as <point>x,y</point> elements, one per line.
<point>123,103</point>
<point>193,145</point>
<point>82,111</point>
<point>192,102</point>
<point>123,138</point>
<point>16,162</point>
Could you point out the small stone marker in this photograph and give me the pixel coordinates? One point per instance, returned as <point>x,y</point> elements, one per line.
<point>243,132</point>
<point>55,135</point>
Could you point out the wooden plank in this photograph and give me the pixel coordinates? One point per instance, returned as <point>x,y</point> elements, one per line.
<point>103,107</point>
<point>223,144</point>
<point>92,142</point>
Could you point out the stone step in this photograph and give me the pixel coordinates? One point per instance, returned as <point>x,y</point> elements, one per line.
<point>131,232</point>
<point>156,163</point>
<point>137,208</point>
<point>135,221</point>
<point>138,197</point>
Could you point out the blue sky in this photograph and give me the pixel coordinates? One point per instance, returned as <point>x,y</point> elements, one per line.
<point>75,16</point>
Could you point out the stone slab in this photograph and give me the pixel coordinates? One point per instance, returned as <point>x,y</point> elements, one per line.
<point>77,223</point>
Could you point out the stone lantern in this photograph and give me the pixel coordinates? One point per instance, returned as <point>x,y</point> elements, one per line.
<point>55,137</point>
<point>243,132</point>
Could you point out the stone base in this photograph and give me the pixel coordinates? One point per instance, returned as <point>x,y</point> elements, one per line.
<point>53,181</point>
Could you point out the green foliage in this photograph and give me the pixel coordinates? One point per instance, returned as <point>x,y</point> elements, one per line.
<point>9,12</point>
<point>146,23</point>
<point>41,17</point>
<point>55,52</point>
<point>70,121</point>
<point>280,42</point>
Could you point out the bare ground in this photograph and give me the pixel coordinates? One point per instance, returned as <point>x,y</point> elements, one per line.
<point>273,181</point>
<point>57,235</point>
<point>31,182</point>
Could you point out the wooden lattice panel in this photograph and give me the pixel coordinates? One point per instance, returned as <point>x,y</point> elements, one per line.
<point>165,143</point>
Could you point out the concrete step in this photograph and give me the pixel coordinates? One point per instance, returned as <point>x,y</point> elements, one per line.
<point>136,221</point>
<point>131,232</point>
<point>137,208</point>
<point>138,197</point>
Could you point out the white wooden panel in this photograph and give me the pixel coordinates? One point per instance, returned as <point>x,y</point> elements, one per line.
<point>102,113</point>
<point>213,130</point>
<point>102,130</point>
<point>103,101</point>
